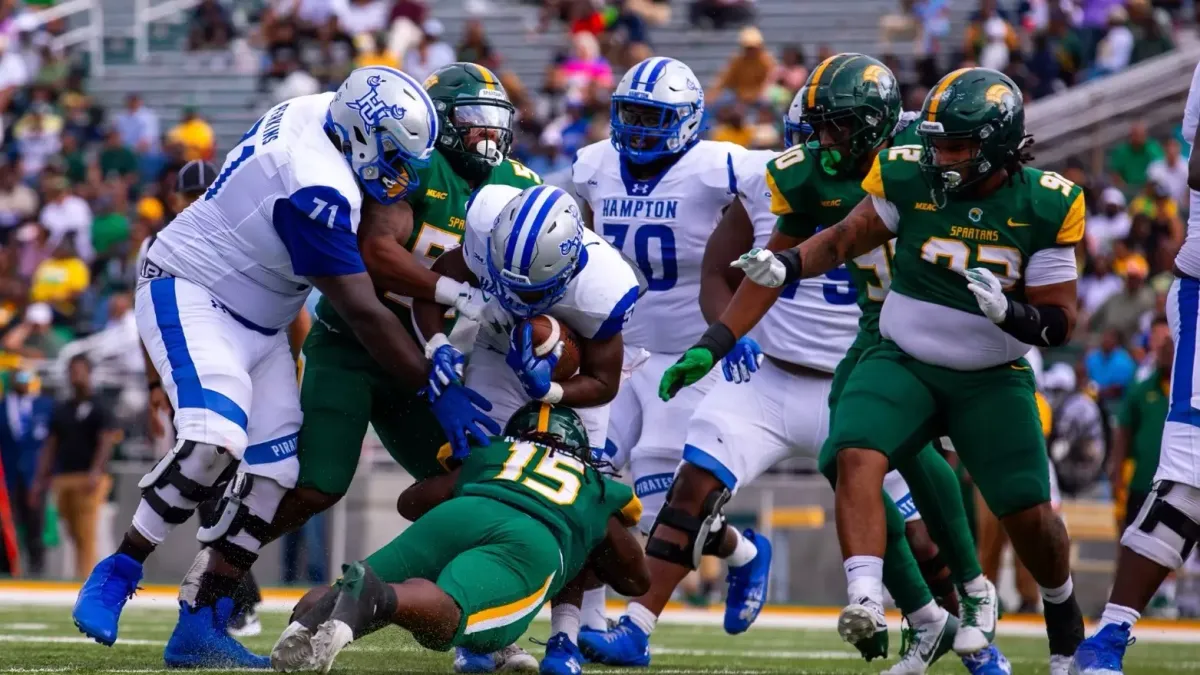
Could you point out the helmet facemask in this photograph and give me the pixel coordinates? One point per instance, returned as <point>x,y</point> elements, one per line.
<point>840,138</point>
<point>954,162</point>
<point>476,136</point>
<point>644,130</point>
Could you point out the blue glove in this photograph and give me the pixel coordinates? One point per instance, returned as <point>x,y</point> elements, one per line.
<point>460,410</point>
<point>742,360</point>
<point>446,364</point>
<point>535,372</point>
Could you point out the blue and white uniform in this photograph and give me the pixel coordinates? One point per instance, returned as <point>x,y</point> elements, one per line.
<point>661,224</point>
<point>598,302</point>
<point>221,283</point>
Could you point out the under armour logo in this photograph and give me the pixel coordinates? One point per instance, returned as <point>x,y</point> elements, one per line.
<point>641,189</point>
<point>371,108</point>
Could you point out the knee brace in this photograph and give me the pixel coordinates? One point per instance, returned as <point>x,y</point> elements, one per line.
<point>704,532</point>
<point>246,512</point>
<point>188,475</point>
<point>1168,526</point>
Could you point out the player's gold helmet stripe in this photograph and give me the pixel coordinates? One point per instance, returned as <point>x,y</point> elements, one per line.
<point>816,79</point>
<point>544,417</point>
<point>489,80</point>
<point>936,100</point>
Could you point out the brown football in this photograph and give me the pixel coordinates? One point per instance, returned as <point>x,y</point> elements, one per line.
<point>548,332</point>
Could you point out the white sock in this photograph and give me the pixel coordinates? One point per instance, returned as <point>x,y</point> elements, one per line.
<point>1058,595</point>
<point>928,614</point>
<point>1117,614</point>
<point>864,577</point>
<point>564,618</point>
<point>976,586</point>
<point>591,612</point>
<point>744,552</point>
<point>641,617</point>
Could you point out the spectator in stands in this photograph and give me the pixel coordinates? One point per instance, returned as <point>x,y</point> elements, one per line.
<point>211,27</point>
<point>32,247</point>
<point>61,279</point>
<point>1171,171</point>
<point>355,17</point>
<point>792,72</point>
<point>372,51</point>
<point>988,24</point>
<point>431,54</point>
<point>900,25</point>
<point>1162,225</point>
<point>24,426</point>
<point>1151,31</point>
<point>18,201</point>
<point>116,160</point>
<point>765,129</point>
<point>110,229</point>
<point>935,23</point>
<point>138,126</point>
<point>1115,50</point>
<point>1098,284</point>
<point>749,73</point>
<point>1110,223</point>
<point>1076,442</point>
<point>1068,46</point>
<point>475,46</point>
<point>1043,67</point>
<point>720,14</point>
<point>1122,311</point>
<point>1137,434</point>
<point>1128,161</point>
<point>406,19</point>
<point>74,462</point>
<point>35,337</point>
<point>1095,23</point>
<point>66,214</point>
<point>38,138</point>
<point>627,36</point>
<point>996,51</point>
<point>732,127</point>
<point>194,135</point>
<point>585,67</point>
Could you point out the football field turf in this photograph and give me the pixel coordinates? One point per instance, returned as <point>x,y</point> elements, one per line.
<point>37,636</point>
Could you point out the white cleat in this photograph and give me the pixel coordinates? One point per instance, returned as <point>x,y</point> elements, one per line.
<point>293,651</point>
<point>330,639</point>
<point>922,645</point>
<point>513,659</point>
<point>863,625</point>
<point>245,625</point>
<point>978,626</point>
<point>1059,664</point>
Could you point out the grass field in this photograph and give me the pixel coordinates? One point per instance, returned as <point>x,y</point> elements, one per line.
<point>40,638</point>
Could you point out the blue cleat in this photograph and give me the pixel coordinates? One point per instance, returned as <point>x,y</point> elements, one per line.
<point>625,645</point>
<point>466,661</point>
<point>748,587</point>
<point>1102,653</point>
<point>987,662</point>
<point>98,608</point>
<point>562,657</point>
<point>200,640</point>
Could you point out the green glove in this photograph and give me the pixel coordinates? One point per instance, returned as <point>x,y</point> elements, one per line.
<point>693,365</point>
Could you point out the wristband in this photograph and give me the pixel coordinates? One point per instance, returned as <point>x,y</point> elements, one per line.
<point>1044,325</point>
<point>447,290</point>
<point>437,341</point>
<point>718,340</point>
<point>554,395</point>
<point>790,258</point>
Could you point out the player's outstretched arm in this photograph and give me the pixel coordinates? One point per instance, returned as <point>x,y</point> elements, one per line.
<point>751,301</point>
<point>620,562</point>
<point>375,326</point>
<point>718,281</point>
<point>382,234</point>
<point>429,315</point>
<point>599,374</point>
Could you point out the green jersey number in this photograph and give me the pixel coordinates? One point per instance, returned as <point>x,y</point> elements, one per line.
<point>879,263</point>
<point>957,255</point>
<point>794,155</point>
<point>557,469</point>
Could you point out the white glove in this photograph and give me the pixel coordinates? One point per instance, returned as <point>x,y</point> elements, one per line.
<point>988,293</point>
<point>468,300</point>
<point>762,267</point>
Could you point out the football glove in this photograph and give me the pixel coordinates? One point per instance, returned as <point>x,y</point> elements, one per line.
<point>745,358</point>
<point>989,293</point>
<point>762,267</point>
<point>536,373</point>
<point>461,412</point>
<point>446,361</point>
<point>688,370</point>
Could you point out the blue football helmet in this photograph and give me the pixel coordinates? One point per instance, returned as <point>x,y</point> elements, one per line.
<point>534,250</point>
<point>657,110</point>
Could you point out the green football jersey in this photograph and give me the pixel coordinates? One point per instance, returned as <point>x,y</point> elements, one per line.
<point>935,246</point>
<point>439,219</point>
<point>806,198</point>
<point>572,500</point>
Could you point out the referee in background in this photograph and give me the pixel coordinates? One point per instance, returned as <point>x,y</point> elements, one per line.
<point>193,180</point>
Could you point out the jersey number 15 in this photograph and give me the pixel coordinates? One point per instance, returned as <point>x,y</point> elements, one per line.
<point>555,469</point>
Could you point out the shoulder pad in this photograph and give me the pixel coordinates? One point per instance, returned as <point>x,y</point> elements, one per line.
<point>482,209</point>
<point>751,172</point>
<point>517,174</point>
<point>1059,206</point>
<point>715,163</point>
<point>787,177</point>
<point>310,166</point>
<point>606,293</point>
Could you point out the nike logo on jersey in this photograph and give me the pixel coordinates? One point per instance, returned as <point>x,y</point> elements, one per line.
<point>1013,223</point>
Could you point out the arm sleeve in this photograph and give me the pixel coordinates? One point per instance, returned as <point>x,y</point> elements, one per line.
<point>1051,266</point>
<point>315,227</point>
<point>888,212</point>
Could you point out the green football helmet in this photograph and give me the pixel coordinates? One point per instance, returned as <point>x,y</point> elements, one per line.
<point>855,100</point>
<point>971,104</point>
<point>476,118</point>
<point>559,421</point>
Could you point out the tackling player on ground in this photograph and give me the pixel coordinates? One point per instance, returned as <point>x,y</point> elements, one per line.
<point>218,286</point>
<point>984,251</point>
<point>1168,526</point>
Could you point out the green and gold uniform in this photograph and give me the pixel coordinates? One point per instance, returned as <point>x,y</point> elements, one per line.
<point>1143,413</point>
<point>523,520</point>
<point>343,389</point>
<point>943,368</point>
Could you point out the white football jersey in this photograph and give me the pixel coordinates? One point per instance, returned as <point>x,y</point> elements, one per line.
<point>1188,258</point>
<point>662,225</point>
<point>815,320</point>
<point>600,297</point>
<point>284,207</point>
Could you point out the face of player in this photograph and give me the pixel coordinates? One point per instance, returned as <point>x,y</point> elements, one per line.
<point>485,129</point>
<point>656,121</point>
<point>949,152</point>
<point>832,134</point>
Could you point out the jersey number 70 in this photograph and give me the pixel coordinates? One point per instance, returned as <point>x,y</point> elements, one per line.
<point>662,279</point>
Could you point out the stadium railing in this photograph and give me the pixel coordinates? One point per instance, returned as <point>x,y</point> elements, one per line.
<point>145,13</point>
<point>91,32</point>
